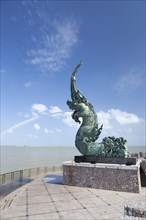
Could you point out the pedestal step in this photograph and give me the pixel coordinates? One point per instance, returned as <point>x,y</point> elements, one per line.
<point>109,160</point>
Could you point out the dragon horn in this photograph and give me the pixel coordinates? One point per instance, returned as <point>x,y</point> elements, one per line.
<point>76,69</point>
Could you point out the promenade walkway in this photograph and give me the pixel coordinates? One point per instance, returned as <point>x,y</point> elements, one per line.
<point>47,198</point>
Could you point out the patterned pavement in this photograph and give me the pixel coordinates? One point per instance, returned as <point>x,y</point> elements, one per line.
<point>47,198</point>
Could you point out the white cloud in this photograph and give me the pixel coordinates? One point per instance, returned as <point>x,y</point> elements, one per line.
<point>55,111</point>
<point>124,118</point>
<point>40,108</point>
<point>34,114</point>
<point>32,136</point>
<point>25,115</point>
<point>122,124</point>
<point>58,130</point>
<point>113,116</point>
<point>13,18</point>
<point>46,130</point>
<point>37,127</point>
<point>127,130</point>
<point>56,35</point>
<point>20,124</point>
<point>33,38</point>
<point>69,121</point>
<point>131,81</point>
<point>28,84</point>
<point>104,118</point>
<point>115,123</point>
<point>108,119</point>
<point>56,46</point>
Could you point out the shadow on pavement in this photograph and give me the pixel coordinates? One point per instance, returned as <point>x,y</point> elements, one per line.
<point>53,179</point>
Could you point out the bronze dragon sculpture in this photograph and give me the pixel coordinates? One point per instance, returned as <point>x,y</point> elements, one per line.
<point>89,131</point>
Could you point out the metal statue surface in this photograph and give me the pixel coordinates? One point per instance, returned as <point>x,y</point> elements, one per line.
<point>89,131</point>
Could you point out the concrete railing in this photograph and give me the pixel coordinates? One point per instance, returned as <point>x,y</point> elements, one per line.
<point>13,180</point>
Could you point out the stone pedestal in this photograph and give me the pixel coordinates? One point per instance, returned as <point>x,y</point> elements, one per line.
<point>114,177</point>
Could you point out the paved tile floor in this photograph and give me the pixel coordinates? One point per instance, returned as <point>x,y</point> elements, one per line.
<point>48,199</point>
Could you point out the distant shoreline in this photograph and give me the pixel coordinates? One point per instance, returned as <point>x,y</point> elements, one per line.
<point>59,146</point>
<point>35,146</point>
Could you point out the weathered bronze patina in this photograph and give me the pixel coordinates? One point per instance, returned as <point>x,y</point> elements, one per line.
<point>89,130</point>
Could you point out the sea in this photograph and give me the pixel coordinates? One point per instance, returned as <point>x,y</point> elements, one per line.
<point>24,157</point>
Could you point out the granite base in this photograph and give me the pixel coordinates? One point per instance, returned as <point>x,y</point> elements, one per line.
<point>113,177</point>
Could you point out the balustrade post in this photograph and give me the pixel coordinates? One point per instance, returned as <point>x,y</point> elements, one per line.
<point>46,169</point>
<point>38,171</point>
<point>53,168</point>
<point>29,173</point>
<point>61,167</point>
<point>12,176</point>
<point>21,178</point>
<point>3,178</point>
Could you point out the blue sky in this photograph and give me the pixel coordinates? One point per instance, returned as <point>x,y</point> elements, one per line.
<point>43,41</point>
